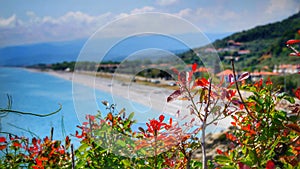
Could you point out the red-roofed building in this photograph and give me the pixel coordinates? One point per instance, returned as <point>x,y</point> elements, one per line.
<point>258,75</point>
<point>225,74</point>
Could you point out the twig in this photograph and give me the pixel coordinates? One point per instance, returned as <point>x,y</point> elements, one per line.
<point>203,148</point>
<point>238,90</point>
<point>51,133</point>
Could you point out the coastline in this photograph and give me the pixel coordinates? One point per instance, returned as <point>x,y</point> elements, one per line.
<point>149,96</point>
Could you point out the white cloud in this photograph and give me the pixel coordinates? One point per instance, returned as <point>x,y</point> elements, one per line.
<point>279,6</point>
<point>9,22</point>
<point>142,10</point>
<point>211,19</point>
<point>166,2</point>
<point>36,29</point>
<point>184,13</point>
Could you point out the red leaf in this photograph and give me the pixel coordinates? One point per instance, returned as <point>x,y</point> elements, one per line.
<point>161,118</point>
<point>2,139</point>
<point>294,127</point>
<point>243,166</point>
<point>244,76</point>
<point>258,84</point>
<point>294,54</point>
<point>202,82</point>
<point>297,93</point>
<point>16,144</point>
<point>175,71</point>
<point>194,67</point>
<point>110,117</point>
<point>270,165</point>
<point>219,151</point>
<point>269,82</point>
<point>2,147</point>
<point>292,41</point>
<point>174,95</point>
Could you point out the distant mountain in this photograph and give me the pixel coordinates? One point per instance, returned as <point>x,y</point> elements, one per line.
<point>263,45</point>
<point>55,52</point>
<point>40,53</point>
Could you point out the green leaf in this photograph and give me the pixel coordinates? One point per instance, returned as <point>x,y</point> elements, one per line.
<point>228,167</point>
<point>122,111</point>
<point>290,99</point>
<point>121,143</point>
<point>222,159</point>
<point>286,97</point>
<point>131,116</point>
<point>83,147</point>
<point>126,163</point>
<point>216,109</point>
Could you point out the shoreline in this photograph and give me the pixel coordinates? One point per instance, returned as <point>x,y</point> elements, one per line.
<point>149,96</point>
<point>152,97</point>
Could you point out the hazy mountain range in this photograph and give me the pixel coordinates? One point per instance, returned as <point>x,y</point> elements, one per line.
<point>53,52</point>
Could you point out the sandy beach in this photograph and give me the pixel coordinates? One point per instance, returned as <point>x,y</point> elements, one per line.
<point>150,96</point>
<point>153,97</point>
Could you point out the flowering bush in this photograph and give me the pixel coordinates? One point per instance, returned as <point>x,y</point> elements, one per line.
<point>267,136</point>
<point>35,153</point>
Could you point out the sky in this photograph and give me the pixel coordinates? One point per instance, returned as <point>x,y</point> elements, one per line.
<point>36,21</point>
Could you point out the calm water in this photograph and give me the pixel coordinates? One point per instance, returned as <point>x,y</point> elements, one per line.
<point>42,93</point>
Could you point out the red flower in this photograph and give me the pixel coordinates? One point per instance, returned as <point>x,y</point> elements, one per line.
<point>270,165</point>
<point>154,126</point>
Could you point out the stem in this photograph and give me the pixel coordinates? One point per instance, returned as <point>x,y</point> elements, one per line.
<point>238,90</point>
<point>203,146</point>
<point>155,151</point>
<point>73,157</point>
<point>27,113</point>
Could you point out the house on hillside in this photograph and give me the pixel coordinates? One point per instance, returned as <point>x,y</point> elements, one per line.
<point>226,75</point>
<point>255,76</point>
<point>286,69</point>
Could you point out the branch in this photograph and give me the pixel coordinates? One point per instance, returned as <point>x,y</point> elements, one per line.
<point>28,113</point>
<point>238,90</point>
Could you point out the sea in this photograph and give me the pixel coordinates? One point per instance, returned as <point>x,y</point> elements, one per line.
<point>41,93</point>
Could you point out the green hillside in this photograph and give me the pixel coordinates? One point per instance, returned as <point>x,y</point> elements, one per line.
<point>261,46</point>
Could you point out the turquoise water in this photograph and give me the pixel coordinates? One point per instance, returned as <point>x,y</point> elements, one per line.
<point>41,93</point>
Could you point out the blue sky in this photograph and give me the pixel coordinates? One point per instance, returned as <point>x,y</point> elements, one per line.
<point>35,21</point>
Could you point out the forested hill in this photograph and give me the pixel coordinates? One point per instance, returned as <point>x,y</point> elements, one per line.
<point>263,45</point>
